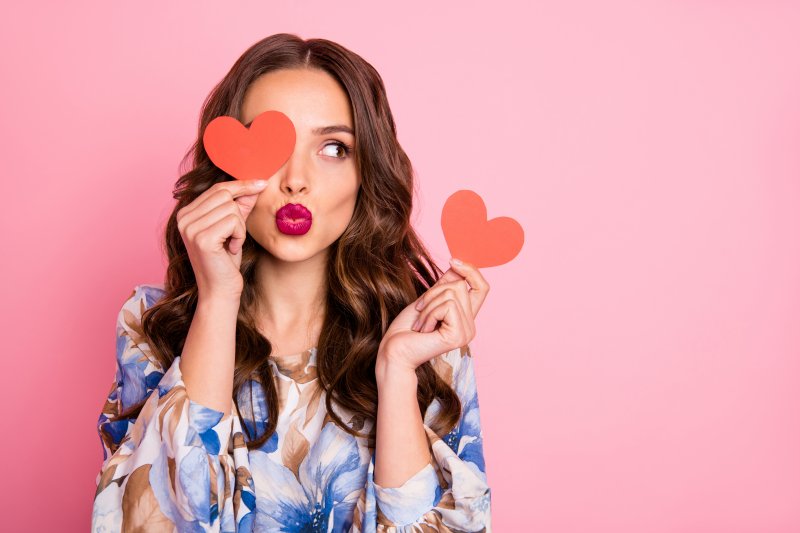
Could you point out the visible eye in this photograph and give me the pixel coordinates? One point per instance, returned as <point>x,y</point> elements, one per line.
<point>341,148</point>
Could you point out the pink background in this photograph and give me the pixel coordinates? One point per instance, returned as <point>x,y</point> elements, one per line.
<point>638,363</point>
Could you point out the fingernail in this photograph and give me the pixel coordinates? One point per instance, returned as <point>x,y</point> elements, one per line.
<point>416,325</point>
<point>419,305</point>
<point>455,261</point>
<point>260,183</point>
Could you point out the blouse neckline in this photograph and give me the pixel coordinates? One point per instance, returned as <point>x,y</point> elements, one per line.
<point>300,367</point>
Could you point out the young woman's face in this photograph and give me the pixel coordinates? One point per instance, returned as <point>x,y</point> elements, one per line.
<point>321,172</point>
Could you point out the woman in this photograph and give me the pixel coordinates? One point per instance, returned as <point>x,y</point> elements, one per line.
<point>306,365</point>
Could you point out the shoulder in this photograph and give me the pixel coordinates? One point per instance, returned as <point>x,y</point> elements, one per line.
<point>140,298</point>
<point>138,369</point>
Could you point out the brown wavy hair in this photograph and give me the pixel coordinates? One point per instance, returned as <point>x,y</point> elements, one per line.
<point>375,269</point>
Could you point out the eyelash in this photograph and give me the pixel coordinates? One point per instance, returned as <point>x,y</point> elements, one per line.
<point>347,149</point>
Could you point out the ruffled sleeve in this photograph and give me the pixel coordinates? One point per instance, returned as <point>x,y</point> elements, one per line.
<point>170,466</point>
<point>451,492</point>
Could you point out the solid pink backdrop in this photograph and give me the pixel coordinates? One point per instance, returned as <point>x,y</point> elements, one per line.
<point>638,363</point>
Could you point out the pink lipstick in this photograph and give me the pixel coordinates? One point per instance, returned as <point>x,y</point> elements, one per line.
<point>293,219</point>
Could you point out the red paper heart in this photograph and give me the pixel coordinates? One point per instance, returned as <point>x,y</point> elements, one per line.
<point>473,238</point>
<point>248,154</point>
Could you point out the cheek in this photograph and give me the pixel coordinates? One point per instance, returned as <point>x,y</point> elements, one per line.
<point>346,203</point>
<point>342,193</point>
<point>339,216</point>
<point>260,220</point>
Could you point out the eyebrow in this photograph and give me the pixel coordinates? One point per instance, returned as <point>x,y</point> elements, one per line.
<point>333,129</point>
<point>324,130</point>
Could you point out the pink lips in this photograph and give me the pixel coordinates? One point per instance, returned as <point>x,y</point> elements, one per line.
<point>293,219</point>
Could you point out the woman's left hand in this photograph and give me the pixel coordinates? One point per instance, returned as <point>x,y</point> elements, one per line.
<point>413,338</point>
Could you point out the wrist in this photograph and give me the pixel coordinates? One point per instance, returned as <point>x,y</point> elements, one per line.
<point>388,370</point>
<point>225,303</point>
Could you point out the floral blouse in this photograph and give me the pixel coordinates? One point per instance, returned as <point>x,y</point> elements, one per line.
<point>182,466</point>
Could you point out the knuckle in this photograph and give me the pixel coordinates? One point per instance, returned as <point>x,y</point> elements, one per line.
<point>188,231</point>
<point>236,219</point>
<point>201,239</point>
<point>223,193</point>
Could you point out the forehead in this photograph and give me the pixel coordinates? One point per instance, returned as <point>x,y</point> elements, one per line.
<point>309,97</point>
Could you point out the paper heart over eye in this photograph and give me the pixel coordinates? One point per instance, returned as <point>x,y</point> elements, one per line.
<point>474,239</point>
<point>247,154</point>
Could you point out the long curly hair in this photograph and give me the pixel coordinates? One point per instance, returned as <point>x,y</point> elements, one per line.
<point>375,269</point>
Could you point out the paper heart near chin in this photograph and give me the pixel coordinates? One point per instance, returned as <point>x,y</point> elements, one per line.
<point>474,239</point>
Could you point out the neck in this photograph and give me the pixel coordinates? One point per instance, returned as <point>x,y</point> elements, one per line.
<point>291,299</point>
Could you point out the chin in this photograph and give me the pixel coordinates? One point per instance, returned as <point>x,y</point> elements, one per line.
<point>288,249</point>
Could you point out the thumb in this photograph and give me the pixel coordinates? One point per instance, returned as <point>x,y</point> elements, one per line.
<point>246,204</point>
<point>448,276</point>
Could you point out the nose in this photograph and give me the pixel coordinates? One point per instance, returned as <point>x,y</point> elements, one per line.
<point>294,179</point>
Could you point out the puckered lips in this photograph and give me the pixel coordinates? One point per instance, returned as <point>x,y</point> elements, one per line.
<point>293,219</point>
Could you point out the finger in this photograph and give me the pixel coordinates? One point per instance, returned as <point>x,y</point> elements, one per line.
<point>435,295</point>
<point>246,203</point>
<point>479,287</point>
<point>437,312</point>
<point>213,237</point>
<point>241,187</point>
<point>226,191</point>
<point>212,218</point>
<point>238,237</point>
<point>460,284</point>
<point>455,292</point>
<point>447,277</point>
<point>433,301</point>
<point>222,197</point>
<point>450,314</point>
<point>221,192</point>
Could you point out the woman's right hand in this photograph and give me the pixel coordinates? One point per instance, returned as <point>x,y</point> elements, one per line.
<point>206,224</point>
